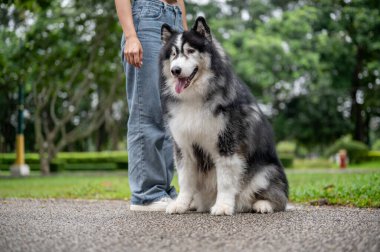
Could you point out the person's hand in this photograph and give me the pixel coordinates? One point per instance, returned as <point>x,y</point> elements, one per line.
<point>133,51</point>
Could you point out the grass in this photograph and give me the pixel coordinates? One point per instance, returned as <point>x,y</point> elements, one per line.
<point>111,185</point>
<point>352,189</point>
<point>368,164</point>
<point>338,188</point>
<point>319,163</point>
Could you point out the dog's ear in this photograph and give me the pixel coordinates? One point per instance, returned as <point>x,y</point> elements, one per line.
<point>166,33</point>
<point>200,26</point>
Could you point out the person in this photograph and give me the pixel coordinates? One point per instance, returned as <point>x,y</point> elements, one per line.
<point>150,152</point>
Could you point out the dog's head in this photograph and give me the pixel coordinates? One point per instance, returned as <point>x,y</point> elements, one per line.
<point>185,57</point>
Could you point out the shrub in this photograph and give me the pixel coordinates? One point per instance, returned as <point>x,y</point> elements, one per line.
<point>373,156</point>
<point>73,161</point>
<point>90,166</point>
<point>286,151</point>
<point>287,161</point>
<point>376,145</point>
<point>309,163</point>
<point>9,158</point>
<point>286,148</point>
<point>356,151</point>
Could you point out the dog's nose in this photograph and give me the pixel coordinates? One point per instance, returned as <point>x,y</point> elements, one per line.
<point>176,71</point>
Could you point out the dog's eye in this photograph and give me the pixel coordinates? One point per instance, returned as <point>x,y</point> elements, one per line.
<point>190,51</point>
<point>173,53</point>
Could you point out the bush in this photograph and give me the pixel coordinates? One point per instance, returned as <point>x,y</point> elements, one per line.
<point>356,151</point>
<point>311,163</point>
<point>90,166</point>
<point>286,151</point>
<point>373,156</point>
<point>287,161</point>
<point>286,148</point>
<point>376,145</point>
<point>73,161</point>
<point>9,158</point>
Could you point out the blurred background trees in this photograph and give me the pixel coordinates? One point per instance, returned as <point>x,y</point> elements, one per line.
<point>63,52</point>
<point>313,65</point>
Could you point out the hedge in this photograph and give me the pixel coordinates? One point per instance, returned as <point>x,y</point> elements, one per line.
<point>286,148</point>
<point>356,151</point>
<point>376,145</point>
<point>373,156</point>
<point>73,161</point>
<point>287,160</point>
<point>81,161</point>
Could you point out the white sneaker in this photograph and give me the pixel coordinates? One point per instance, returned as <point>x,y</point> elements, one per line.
<point>156,206</point>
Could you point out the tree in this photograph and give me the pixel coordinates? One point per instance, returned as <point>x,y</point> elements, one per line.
<point>70,71</point>
<point>353,57</point>
<point>292,49</point>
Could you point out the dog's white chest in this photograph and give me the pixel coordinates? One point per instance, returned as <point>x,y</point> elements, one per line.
<point>194,124</point>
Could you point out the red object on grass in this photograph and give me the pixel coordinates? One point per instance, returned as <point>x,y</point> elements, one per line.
<point>342,159</point>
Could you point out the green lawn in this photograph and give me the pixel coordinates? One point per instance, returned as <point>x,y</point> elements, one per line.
<point>111,185</point>
<point>352,189</point>
<point>361,189</point>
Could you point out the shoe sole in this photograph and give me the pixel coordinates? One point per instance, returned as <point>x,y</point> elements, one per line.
<point>154,207</point>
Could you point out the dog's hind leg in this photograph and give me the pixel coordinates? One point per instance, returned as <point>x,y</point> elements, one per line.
<point>271,200</point>
<point>228,174</point>
<point>271,196</point>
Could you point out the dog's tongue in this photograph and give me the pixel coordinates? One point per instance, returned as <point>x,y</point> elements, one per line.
<point>180,85</point>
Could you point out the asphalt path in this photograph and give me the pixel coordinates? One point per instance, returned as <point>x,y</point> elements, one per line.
<point>79,225</point>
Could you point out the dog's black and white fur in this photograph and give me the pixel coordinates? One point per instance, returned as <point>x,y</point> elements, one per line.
<point>223,144</point>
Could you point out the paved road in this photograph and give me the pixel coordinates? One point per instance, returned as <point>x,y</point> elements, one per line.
<point>69,225</point>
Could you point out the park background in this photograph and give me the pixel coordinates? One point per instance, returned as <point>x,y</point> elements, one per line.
<point>314,67</point>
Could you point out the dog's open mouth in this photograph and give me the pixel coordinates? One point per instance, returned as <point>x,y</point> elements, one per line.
<point>183,83</point>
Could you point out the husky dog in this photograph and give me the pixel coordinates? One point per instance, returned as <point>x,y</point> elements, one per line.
<point>223,144</point>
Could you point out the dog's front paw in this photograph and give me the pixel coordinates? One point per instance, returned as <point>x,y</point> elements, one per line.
<point>176,207</point>
<point>262,206</point>
<point>222,209</point>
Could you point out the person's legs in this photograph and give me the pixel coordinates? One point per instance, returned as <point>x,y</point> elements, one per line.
<point>175,17</point>
<point>150,151</point>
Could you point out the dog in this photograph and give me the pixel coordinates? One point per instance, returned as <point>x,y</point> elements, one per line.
<point>224,150</point>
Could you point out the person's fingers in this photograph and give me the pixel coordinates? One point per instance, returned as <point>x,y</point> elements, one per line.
<point>141,57</point>
<point>127,56</point>
<point>133,52</point>
<point>129,60</point>
<point>135,56</point>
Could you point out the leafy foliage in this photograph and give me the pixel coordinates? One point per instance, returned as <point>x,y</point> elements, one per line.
<point>315,61</point>
<point>356,151</point>
<point>70,66</point>
<point>313,64</point>
<point>376,145</point>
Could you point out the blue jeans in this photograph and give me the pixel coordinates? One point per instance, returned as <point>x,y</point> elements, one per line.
<point>150,151</point>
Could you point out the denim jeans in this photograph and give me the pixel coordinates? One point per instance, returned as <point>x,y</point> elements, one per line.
<point>150,151</point>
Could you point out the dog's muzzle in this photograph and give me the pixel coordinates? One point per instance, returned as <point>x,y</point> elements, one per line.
<point>183,83</point>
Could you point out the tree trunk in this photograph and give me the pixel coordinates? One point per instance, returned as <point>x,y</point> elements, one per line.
<point>101,137</point>
<point>367,129</point>
<point>114,139</point>
<point>357,112</point>
<point>357,117</point>
<point>40,142</point>
<point>44,163</point>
